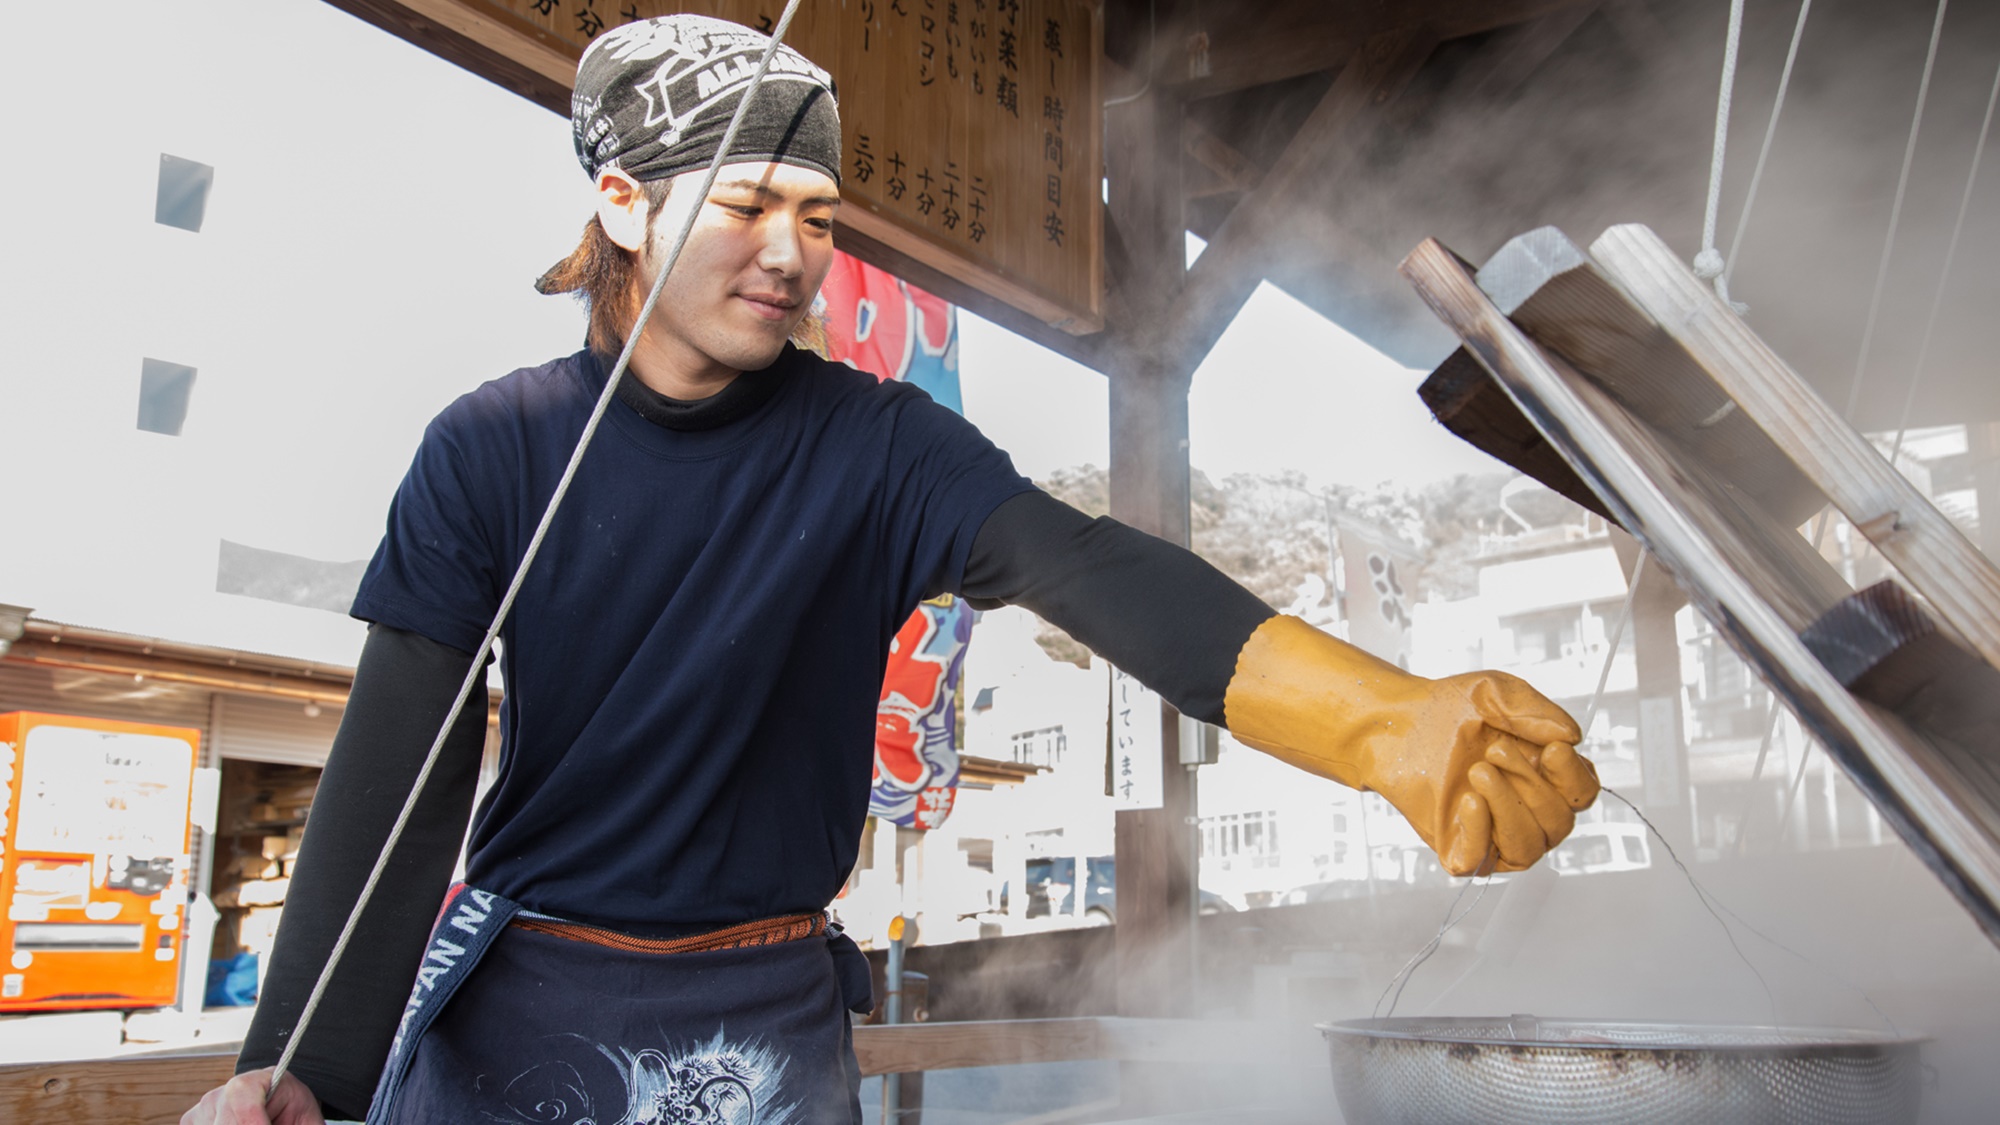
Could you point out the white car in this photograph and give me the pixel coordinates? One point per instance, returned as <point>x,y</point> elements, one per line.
<point>1592,848</point>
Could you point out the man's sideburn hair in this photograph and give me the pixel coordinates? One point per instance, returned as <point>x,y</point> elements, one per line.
<point>605,276</point>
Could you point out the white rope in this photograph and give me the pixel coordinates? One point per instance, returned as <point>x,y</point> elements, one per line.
<point>1708,264</point>
<point>1763,155</point>
<point>477,673</point>
<point>1944,275</point>
<point>1895,217</point>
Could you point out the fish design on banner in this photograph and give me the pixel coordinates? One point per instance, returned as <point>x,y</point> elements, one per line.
<point>916,737</point>
<point>877,322</point>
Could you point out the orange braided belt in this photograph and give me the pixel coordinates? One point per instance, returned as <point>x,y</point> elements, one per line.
<point>766,931</point>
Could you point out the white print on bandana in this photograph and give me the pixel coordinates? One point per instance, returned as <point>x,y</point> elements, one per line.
<point>715,1083</point>
<point>707,60</point>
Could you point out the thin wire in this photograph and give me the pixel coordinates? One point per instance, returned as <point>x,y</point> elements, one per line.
<point>1944,275</point>
<point>1763,153</point>
<point>1402,978</point>
<point>1708,264</point>
<point>1451,918</point>
<point>477,672</point>
<point>1707,896</point>
<point>1714,903</point>
<point>1702,895</point>
<point>1895,217</point>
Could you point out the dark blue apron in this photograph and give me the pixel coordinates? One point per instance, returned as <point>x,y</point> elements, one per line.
<point>515,1019</point>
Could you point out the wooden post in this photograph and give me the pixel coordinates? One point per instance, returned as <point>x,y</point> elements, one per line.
<point>1656,656</point>
<point>1149,491</point>
<point>1663,757</point>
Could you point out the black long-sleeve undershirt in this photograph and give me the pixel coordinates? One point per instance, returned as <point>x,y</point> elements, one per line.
<point>1159,612</point>
<point>1154,609</point>
<point>402,689</point>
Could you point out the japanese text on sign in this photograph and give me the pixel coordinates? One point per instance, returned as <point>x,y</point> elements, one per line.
<point>1137,777</point>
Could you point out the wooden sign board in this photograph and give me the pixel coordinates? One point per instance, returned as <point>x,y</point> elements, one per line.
<point>971,130</point>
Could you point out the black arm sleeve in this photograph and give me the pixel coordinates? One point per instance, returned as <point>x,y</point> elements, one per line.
<point>1156,610</point>
<point>402,690</point>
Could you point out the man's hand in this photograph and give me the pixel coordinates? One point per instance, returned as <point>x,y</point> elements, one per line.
<point>1484,766</point>
<point>243,1101</point>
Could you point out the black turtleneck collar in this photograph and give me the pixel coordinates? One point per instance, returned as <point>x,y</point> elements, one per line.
<point>739,399</point>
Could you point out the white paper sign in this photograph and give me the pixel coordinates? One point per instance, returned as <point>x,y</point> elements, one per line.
<point>1136,778</point>
<point>104,793</point>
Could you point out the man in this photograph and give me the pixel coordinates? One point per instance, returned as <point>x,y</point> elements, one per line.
<point>692,667</point>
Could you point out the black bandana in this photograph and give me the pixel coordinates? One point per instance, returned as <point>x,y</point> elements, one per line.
<point>654,97</point>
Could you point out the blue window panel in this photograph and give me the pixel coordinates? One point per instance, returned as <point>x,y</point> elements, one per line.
<point>164,390</point>
<point>183,196</point>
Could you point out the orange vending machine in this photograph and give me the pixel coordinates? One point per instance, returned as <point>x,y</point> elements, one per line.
<point>95,847</point>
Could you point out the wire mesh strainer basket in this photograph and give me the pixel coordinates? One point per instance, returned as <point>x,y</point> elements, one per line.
<point>1499,1070</point>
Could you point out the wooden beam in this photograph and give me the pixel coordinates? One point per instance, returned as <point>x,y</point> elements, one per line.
<point>1280,39</point>
<point>1745,575</point>
<point>1466,399</point>
<point>1234,171</point>
<point>1934,557</point>
<point>1327,144</point>
<point>1551,288</point>
<point>1889,650</point>
<point>510,53</point>
<point>909,1047</point>
<point>135,1090</point>
<point>49,645</point>
<point>914,1047</point>
<point>1513,54</point>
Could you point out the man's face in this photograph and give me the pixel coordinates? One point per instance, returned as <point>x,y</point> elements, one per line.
<point>761,245</point>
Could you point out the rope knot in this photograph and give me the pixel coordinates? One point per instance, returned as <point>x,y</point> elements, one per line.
<point>1708,264</point>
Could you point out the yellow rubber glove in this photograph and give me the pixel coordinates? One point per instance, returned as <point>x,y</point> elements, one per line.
<point>1481,764</point>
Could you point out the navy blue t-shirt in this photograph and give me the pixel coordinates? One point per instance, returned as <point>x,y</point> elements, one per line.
<point>693,664</point>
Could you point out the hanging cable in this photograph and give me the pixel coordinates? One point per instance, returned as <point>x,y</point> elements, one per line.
<point>1763,155</point>
<point>477,673</point>
<point>1895,217</point>
<point>1152,42</point>
<point>1944,275</point>
<point>1708,264</point>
